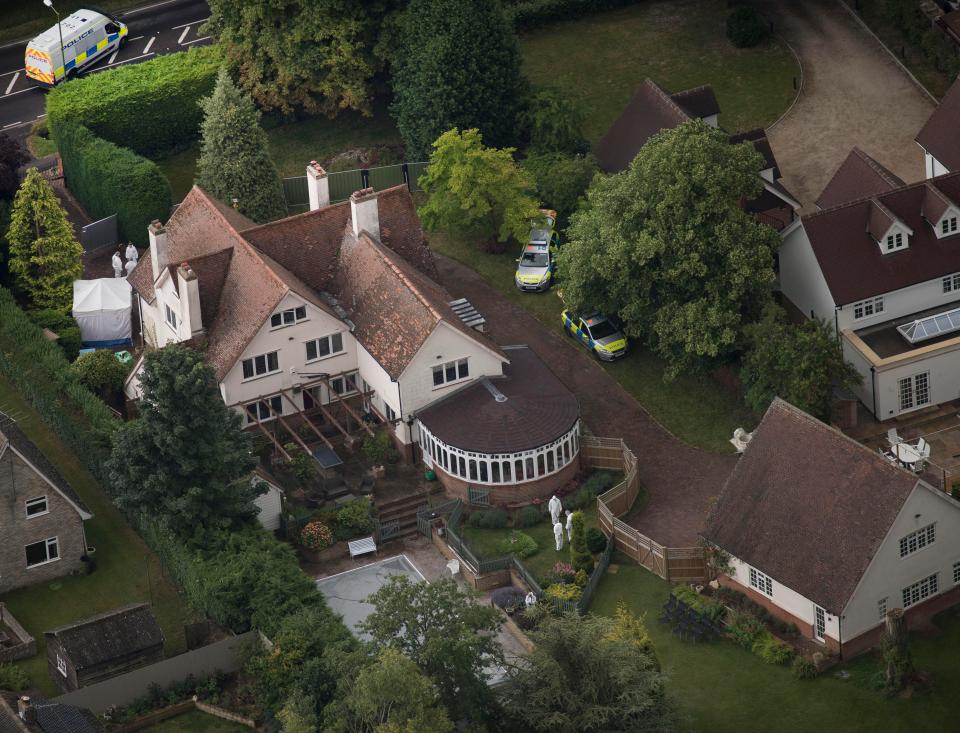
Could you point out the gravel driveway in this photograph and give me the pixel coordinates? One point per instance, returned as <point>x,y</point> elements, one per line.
<point>853,94</point>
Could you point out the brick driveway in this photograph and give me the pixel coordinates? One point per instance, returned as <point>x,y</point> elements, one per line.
<point>681,480</point>
<point>853,94</point>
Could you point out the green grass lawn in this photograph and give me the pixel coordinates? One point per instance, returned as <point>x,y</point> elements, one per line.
<point>197,722</point>
<point>127,571</point>
<point>697,409</point>
<point>600,60</point>
<point>725,689</point>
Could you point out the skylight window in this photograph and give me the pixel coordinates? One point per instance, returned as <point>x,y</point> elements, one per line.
<point>930,327</point>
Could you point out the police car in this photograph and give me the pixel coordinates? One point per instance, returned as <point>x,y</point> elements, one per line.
<point>83,39</point>
<point>536,266</point>
<point>597,333</point>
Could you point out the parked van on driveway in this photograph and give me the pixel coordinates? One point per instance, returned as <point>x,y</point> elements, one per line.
<point>89,36</point>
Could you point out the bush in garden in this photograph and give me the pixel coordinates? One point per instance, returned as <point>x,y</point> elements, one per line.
<point>13,678</point>
<point>376,447</point>
<point>772,650</point>
<point>745,629</point>
<point>301,465</point>
<point>562,572</point>
<point>552,124</point>
<point>100,370</point>
<point>596,540</point>
<point>745,27</point>
<point>579,555</point>
<point>600,481</point>
<point>803,669</point>
<point>61,324</point>
<point>581,578</point>
<point>563,592</point>
<point>519,544</point>
<point>354,518</point>
<point>488,519</point>
<point>508,597</point>
<point>528,516</point>
<point>316,536</point>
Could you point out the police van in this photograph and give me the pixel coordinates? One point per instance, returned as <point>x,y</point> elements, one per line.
<point>88,36</point>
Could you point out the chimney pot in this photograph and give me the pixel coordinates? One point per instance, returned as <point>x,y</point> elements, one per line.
<point>365,213</point>
<point>159,254</point>
<point>318,186</point>
<point>26,711</point>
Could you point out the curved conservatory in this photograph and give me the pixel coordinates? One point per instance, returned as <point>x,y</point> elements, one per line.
<point>515,437</point>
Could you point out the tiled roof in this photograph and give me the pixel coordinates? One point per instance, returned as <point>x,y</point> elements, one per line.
<point>940,136</point>
<point>52,717</point>
<point>858,176</point>
<point>761,144</point>
<point>538,409</point>
<point>808,506</point>
<point>850,259</point>
<point>107,636</point>
<point>18,440</point>
<point>698,102</point>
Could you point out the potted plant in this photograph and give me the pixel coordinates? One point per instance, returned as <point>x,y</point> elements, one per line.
<point>315,537</point>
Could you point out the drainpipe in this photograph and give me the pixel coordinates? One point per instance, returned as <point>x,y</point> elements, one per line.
<point>836,321</point>
<point>873,388</point>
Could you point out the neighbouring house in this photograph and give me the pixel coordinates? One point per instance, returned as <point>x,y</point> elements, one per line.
<point>652,109</point>
<point>940,136</point>
<point>103,646</point>
<point>41,517</point>
<point>825,533</point>
<point>331,315</point>
<point>269,503</point>
<point>883,270</point>
<point>22,714</point>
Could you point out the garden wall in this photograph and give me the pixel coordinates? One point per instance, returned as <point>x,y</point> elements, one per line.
<point>27,645</point>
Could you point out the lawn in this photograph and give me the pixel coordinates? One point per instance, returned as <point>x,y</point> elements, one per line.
<point>697,409</point>
<point>127,571</point>
<point>196,722</point>
<point>600,60</point>
<point>715,682</point>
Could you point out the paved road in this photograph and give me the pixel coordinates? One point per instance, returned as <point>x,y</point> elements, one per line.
<point>155,29</point>
<point>853,94</point>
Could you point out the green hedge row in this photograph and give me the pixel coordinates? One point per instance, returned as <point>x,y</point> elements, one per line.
<point>41,374</point>
<point>150,107</point>
<point>109,179</point>
<point>531,14</point>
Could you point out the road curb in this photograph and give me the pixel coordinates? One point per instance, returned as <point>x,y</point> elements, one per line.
<point>796,99</point>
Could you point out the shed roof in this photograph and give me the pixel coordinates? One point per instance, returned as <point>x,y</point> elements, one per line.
<point>109,635</point>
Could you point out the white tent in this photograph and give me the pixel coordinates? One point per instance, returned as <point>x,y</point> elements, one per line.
<point>102,310</point>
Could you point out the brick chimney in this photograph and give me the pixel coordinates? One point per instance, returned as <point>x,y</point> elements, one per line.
<point>365,213</point>
<point>159,254</point>
<point>189,287</point>
<point>26,711</point>
<point>318,186</point>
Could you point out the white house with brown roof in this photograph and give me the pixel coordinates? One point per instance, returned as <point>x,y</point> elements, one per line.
<point>940,136</point>
<point>826,534</point>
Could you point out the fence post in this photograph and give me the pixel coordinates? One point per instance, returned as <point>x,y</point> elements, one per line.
<point>365,177</point>
<point>406,175</point>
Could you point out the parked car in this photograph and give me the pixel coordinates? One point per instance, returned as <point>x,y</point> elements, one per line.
<point>84,38</point>
<point>536,266</point>
<point>598,333</point>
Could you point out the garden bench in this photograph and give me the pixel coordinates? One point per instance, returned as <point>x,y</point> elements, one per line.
<point>361,547</point>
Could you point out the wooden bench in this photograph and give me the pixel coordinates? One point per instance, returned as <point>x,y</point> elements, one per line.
<point>361,547</point>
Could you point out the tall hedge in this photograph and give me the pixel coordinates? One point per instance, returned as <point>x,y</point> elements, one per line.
<point>109,179</point>
<point>149,107</point>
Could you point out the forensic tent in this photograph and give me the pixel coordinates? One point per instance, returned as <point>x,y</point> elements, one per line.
<point>102,310</point>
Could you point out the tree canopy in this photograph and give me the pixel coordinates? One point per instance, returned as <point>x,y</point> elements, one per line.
<point>552,123</point>
<point>45,257</point>
<point>235,160</point>
<point>12,156</point>
<point>561,180</point>
<point>801,364</point>
<point>666,246</point>
<point>473,189</point>
<point>457,65</point>
<point>185,459</point>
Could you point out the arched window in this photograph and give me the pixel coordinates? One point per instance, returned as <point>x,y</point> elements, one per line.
<point>473,470</point>
<point>560,460</point>
<point>495,471</point>
<point>550,466</point>
<point>530,472</point>
<point>443,457</point>
<point>506,472</point>
<point>484,475</point>
<point>463,466</point>
<point>566,451</point>
<point>540,464</point>
<point>518,464</point>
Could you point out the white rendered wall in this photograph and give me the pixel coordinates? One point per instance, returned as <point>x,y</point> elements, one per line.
<point>801,279</point>
<point>933,166</point>
<point>387,392</point>
<point>943,368</point>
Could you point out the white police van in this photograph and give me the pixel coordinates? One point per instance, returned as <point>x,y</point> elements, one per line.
<point>88,36</point>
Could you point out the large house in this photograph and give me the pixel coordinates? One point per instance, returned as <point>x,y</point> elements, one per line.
<point>41,517</point>
<point>339,309</point>
<point>826,534</point>
<point>940,136</point>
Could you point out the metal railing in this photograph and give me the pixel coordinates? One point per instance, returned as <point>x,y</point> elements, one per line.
<point>478,497</point>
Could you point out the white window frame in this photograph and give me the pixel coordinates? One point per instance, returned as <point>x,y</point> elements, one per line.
<point>389,413</point>
<point>345,380</point>
<point>170,316</point>
<point>948,226</point>
<point>34,502</point>
<point>458,366</point>
<point>867,308</point>
<point>331,352</point>
<point>913,542</point>
<point>819,623</point>
<point>261,406</point>
<point>910,392</point>
<point>295,317</point>
<point>956,572</point>
<point>882,608</point>
<point>253,363</point>
<point>920,591</point>
<point>894,242</point>
<point>61,665</point>
<point>951,283</point>
<point>761,582</point>
<point>53,542</point>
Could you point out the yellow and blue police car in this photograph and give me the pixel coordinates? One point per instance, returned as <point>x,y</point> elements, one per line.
<point>597,333</point>
<point>536,266</point>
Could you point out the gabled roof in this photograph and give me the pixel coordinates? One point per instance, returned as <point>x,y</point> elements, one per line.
<point>52,717</point>
<point>11,436</point>
<point>857,177</point>
<point>808,506</point>
<point>855,268</point>
<point>761,144</point>
<point>940,136</point>
<point>698,102</point>
<point>107,636</point>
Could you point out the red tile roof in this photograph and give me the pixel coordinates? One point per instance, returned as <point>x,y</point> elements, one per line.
<point>851,260</point>
<point>858,176</point>
<point>808,506</point>
<point>940,136</point>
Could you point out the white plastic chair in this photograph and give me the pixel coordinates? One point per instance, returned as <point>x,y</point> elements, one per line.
<point>454,567</point>
<point>892,437</point>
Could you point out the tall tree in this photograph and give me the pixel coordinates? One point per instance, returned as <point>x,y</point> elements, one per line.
<point>476,190</point>
<point>45,257</point>
<point>666,246</point>
<point>451,638</point>
<point>802,364</point>
<point>585,675</point>
<point>319,56</point>
<point>457,65</point>
<point>12,156</point>
<point>185,461</point>
<point>235,161</point>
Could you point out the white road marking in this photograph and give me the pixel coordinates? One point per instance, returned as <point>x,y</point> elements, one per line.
<point>12,82</point>
<point>125,61</point>
<point>135,38</point>
<point>113,56</point>
<point>186,25</point>
<point>186,30</point>
<point>12,124</point>
<point>15,71</point>
<point>41,116</point>
<point>195,40</point>
<point>21,91</point>
<point>146,48</point>
<point>146,7</point>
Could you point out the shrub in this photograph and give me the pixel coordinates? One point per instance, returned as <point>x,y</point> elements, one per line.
<point>150,107</point>
<point>375,447</point>
<point>803,669</point>
<point>528,516</point>
<point>520,544</point>
<point>596,540</point>
<point>61,324</point>
<point>745,27</point>
<point>551,123</point>
<point>579,555</point>
<point>488,519</point>
<point>301,465</point>
<point>582,499</point>
<point>563,592</point>
<point>745,629</point>
<point>100,370</point>
<point>562,572</point>
<point>561,180</point>
<point>601,481</point>
<point>316,536</point>
<point>771,650</point>
<point>13,678</point>
<point>508,597</point>
<point>580,578</point>
<point>354,518</point>
<point>731,596</point>
<point>709,607</point>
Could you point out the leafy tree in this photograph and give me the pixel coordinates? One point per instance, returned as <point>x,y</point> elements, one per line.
<point>100,370</point>
<point>802,364</point>
<point>316,55</point>
<point>298,715</point>
<point>666,246</point>
<point>12,156</point>
<point>45,257</point>
<point>235,162</point>
<point>185,461</point>
<point>630,628</point>
<point>581,676</point>
<point>580,556</point>
<point>477,190</point>
<point>561,180</point>
<point>745,27</point>
<point>451,638</point>
<point>457,65</point>
<point>552,123</point>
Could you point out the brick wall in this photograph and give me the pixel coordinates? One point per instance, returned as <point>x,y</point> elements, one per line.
<point>512,494</point>
<point>27,646</point>
<point>762,600</point>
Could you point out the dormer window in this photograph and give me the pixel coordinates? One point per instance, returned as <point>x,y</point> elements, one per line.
<point>948,226</point>
<point>288,317</point>
<point>895,241</point>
